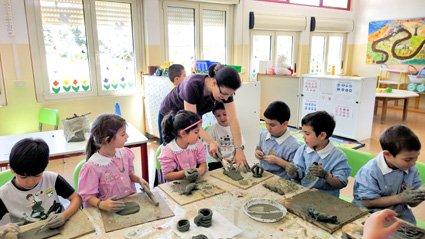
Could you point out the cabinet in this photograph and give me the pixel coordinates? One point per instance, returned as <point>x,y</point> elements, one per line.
<point>283,88</point>
<point>349,99</point>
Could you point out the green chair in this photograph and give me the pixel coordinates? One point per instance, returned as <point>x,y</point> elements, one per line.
<point>158,177</point>
<point>76,173</point>
<point>356,158</point>
<point>49,117</point>
<point>5,176</point>
<point>421,168</point>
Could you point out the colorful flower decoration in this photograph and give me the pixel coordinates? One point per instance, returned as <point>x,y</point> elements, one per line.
<point>106,85</point>
<point>56,88</point>
<point>114,84</point>
<point>75,87</point>
<point>85,85</point>
<point>66,86</point>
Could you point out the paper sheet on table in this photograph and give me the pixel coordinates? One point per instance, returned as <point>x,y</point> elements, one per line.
<point>220,228</point>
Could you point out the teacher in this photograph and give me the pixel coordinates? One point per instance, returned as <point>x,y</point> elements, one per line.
<point>199,93</point>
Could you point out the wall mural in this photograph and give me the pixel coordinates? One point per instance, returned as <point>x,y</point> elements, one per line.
<point>396,42</point>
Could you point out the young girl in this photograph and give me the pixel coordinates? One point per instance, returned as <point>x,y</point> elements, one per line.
<point>108,174</point>
<point>183,149</point>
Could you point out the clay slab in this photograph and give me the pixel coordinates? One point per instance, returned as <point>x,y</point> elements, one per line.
<point>248,179</point>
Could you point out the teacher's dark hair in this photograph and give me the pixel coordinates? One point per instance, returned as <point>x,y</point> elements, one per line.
<point>225,76</point>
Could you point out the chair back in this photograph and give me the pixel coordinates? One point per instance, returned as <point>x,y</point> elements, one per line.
<point>356,158</point>
<point>157,153</point>
<point>48,116</point>
<point>76,173</point>
<point>421,169</point>
<point>5,176</point>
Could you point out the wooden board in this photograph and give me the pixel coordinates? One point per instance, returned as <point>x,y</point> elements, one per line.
<point>205,190</point>
<point>148,212</point>
<point>248,179</point>
<point>323,202</point>
<point>353,231</point>
<point>77,226</point>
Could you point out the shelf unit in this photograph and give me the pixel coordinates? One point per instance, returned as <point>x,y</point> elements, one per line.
<point>385,74</point>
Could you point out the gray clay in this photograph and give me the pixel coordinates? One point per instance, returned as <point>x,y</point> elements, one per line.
<point>274,189</point>
<point>191,175</point>
<point>233,173</point>
<point>204,218</point>
<point>183,225</point>
<point>257,170</point>
<point>130,208</point>
<point>322,217</point>
<point>189,188</point>
<point>200,236</point>
<point>35,233</point>
<point>411,232</point>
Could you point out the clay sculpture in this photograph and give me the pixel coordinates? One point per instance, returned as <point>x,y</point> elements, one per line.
<point>183,225</point>
<point>130,208</point>
<point>191,174</point>
<point>274,189</point>
<point>189,188</point>
<point>200,236</point>
<point>257,170</point>
<point>204,218</point>
<point>232,173</point>
<point>322,217</point>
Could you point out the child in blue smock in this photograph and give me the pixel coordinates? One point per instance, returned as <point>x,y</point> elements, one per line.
<point>277,146</point>
<point>391,179</point>
<point>318,163</point>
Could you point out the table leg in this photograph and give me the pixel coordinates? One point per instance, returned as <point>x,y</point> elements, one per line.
<point>144,159</point>
<point>406,101</point>
<point>384,109</point>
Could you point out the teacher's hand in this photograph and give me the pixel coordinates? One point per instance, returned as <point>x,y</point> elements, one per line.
<point>213,148</point>
<point>240,160</point>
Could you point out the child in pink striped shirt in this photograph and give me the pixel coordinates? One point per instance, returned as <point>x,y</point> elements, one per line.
<point>183,150</point>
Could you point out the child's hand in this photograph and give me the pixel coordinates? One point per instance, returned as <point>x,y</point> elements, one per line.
<point>110,205</point>
<point>291,170</point>
<point>375,226</point>
<point>10,227</point>
<point>411,196</point>
<point>259,154</point>
<point>317,170</point>
<point>143,183</point>
<point>56,220</point>
<point>213,148</point>
<point>271,159</point>
<point>191,174</point>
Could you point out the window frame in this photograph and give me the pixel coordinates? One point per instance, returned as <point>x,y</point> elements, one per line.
<point>38,51</point>
<point>198,7</point>
<point>327,35</point>
<point>348,8</point>
<point>274,35</point>
<point>3,101</point>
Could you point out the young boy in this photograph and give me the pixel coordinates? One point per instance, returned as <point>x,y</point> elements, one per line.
<point>176,73</point>
<point>277,147</point>
<point>318,163</point>
<point>390,180</point>
<point>221,133</point>
<point>32,195</point>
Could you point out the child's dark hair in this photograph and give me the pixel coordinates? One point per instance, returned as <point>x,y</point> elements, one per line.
<point>103,130</point>
<point>29,157</point>
<point>218,106</point>
<point>175,70</point>
<point>320,121</point>
<point>399,138</point>
<point>172,124</point>
<point>225,76</point>
<point>278,110</point>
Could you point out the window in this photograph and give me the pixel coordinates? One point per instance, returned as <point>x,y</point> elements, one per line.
<point>337,4</point>
<point>195,31</point>
<point>267,46</point>
<point>84,47</point>
<point>323,57</point>
<point>2,92</point>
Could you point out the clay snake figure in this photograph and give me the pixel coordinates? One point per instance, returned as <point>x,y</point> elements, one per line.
<point>322,217</point>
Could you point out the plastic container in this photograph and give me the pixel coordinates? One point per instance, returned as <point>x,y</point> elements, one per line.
<point>201,66</point>
<point>237,68</point>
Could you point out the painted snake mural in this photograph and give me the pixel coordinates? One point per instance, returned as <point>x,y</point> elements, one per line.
<point>394,46</point>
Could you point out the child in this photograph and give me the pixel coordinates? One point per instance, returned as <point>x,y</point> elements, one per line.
<point>32,195</point>
<point>221,133</point>
<point>176,73</point>
<point>108,173</point>
<point>183,149</point>
<point>390,180</point>
<point>318,163</point>
<point>277,146</point>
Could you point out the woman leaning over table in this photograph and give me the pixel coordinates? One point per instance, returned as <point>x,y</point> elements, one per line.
<point>199,93</point>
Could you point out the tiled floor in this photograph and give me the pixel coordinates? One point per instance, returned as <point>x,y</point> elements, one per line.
<point>372,145</point>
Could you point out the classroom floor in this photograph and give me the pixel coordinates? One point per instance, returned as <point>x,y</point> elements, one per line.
<point>372,145</point>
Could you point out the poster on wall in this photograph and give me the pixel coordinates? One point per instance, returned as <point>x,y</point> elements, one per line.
<point>396,42</point>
